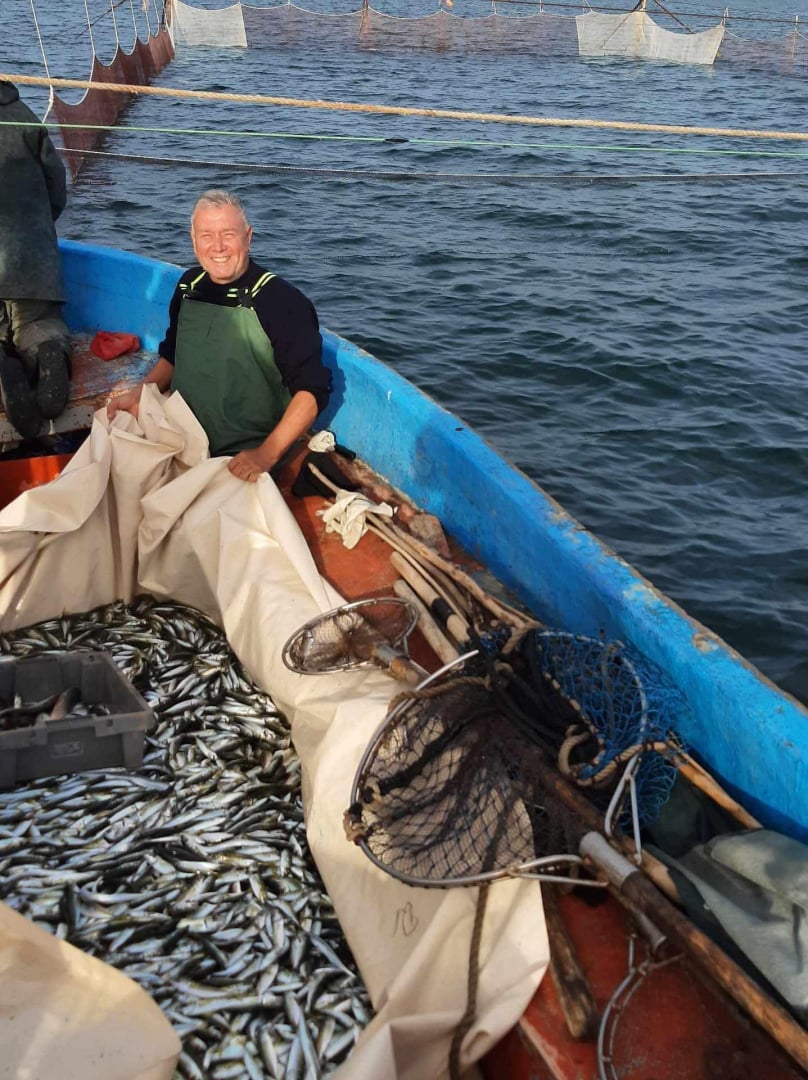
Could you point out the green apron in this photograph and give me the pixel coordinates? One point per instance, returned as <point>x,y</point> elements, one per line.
<point>224,367</point>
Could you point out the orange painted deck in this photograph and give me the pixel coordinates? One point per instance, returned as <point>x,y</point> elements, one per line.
<point>674,1027</point>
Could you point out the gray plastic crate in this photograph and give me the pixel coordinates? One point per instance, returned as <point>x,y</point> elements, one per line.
<point>75,744</point>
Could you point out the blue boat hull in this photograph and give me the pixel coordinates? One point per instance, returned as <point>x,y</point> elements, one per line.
<point>752,735</point>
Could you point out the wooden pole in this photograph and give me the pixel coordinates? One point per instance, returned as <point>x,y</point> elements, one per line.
<point>440,645</point>
<point>637,894</point>
<point>572,987</point>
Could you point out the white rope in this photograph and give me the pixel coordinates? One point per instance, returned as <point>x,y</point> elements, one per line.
<point>41,42</point>
<point>90,28</point>
<point>115,24</point>
<point>134,20</point>
<point>406,110</point>
<point>157,15</point>
<point>44,61</point>
<point>347,515</point>
<point>323,441</point>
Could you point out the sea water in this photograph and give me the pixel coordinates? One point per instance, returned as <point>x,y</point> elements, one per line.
<point>623,315</point>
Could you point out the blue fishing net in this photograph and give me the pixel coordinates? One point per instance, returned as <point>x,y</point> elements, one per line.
<point>626,704</point>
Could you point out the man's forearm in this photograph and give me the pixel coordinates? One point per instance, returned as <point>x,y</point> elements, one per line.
<point>161,374</point>
<point>300,414</point>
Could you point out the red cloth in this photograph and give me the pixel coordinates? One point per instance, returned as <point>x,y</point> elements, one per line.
<point>108,345</point>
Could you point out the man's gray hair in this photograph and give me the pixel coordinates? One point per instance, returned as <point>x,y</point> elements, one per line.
<point>218,197</point>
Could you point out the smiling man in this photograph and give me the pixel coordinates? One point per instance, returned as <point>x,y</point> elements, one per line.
<point>242,347</point>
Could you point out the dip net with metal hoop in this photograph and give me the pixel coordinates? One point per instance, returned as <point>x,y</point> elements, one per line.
<point>452,788</point>
<point>365,632</point>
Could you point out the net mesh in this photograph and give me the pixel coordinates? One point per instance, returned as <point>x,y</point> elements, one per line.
<point>198,26</point>
<point>786,55</point>
<point>637,36</point>
<point>361,633</point>
<point>453,789</point>
<point>102,107</point>
<point>626,705</point>
<point>484,29</point>
<point>449,792</point>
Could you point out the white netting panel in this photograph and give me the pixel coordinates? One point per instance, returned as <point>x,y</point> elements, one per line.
<point>195,26</point>
<point>636,35</point>
<point>633,35</point>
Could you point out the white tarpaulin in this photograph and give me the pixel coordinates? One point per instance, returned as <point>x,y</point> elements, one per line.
<point>636,35</point>
<point>142,508</point>
<point>64,1014</point>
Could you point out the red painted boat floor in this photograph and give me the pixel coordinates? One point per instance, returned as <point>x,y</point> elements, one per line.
<point>673,1026</point>
<point>357,573</point>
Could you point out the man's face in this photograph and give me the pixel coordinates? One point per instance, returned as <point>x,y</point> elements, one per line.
<point>221,242</point>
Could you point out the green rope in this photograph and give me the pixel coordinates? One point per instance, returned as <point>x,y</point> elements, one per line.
<point>381,139</point>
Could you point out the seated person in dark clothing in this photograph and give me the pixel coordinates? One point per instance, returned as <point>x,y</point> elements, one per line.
<point>243,346</point>
<point>34,341</point>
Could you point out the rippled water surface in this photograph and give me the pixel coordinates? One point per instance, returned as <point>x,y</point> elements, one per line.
<point>634,342</point>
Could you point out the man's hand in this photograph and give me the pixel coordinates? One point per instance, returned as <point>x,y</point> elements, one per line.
<point>299,416</point>
<point>128,401</point>
<point>250,464</point>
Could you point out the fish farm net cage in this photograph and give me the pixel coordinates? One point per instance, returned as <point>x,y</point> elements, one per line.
<point>453,788</point>
<point>478,26</point>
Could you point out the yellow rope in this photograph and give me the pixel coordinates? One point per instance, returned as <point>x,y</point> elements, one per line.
<point>401,110</point>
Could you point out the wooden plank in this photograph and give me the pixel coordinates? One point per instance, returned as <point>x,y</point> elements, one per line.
<point>93,381</point>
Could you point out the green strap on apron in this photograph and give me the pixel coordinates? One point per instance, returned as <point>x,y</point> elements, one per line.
<point>224,367</point>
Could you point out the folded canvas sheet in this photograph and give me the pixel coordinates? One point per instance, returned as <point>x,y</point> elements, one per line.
<point>142,508</point>
<point>66,1015</point>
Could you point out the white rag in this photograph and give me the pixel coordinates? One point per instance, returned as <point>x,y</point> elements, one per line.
<point>323,441</point>
<point>348,516</point>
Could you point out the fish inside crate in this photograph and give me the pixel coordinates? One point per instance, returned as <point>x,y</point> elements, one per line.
<point>68,712</point>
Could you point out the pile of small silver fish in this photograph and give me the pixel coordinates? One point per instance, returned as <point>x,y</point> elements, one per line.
<point>66,705</point>
<point>192,874</point>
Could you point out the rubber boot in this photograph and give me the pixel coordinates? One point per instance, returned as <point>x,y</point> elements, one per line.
<point>52,387</point>
<point>18,397</point>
